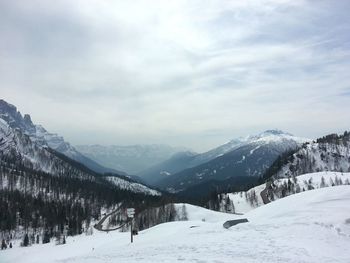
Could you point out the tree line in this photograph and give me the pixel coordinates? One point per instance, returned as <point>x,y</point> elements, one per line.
<point>39,206</point>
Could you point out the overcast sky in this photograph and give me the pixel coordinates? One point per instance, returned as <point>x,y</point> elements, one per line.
<point>190,73</point>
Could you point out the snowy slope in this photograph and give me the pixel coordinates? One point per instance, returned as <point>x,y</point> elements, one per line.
<point>6,137</point>
<point>197,213</point>
<point>16,144</point>
<point>316,157</point>
<point>312,226</point>
<point>244,201</point>
<point>131,186</point>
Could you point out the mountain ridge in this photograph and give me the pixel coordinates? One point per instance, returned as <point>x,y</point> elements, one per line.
<point>329,153</point>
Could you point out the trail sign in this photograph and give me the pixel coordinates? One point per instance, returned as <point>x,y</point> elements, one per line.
<point>130,212</point>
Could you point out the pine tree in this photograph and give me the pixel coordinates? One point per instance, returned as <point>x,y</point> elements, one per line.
<point>46,237</point>
<point>26,240</point>
<point>3,244</point>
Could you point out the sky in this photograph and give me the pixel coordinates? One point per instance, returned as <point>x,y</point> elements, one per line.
<point>183,73</point>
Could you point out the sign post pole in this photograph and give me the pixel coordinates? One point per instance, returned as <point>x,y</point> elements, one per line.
<point>132,236</point>
<point>130,212</point>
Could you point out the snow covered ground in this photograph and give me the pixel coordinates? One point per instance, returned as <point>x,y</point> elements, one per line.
<point>312,226</point>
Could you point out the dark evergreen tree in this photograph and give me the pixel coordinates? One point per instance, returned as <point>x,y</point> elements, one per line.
<point>26,240</point>
<point>46,237</point>
<point>3,244</point>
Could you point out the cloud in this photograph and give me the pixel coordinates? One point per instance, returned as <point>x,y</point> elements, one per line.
<point>196,73</point>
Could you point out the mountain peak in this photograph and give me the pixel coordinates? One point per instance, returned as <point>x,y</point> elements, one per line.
<point>14,119</point>
<point>27,119</point>
<point>275,132</point>
<point>7,108</point>
<point>5,105</point>
<point>274,135</point>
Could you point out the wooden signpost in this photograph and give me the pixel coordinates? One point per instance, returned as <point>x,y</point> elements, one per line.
<point>131,212</point>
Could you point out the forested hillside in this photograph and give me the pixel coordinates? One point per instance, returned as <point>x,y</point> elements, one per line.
<point>329,153</point>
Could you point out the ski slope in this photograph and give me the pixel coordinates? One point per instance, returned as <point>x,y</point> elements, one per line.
<point>312,226</point>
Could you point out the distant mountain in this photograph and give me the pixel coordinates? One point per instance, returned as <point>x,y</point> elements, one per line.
<point>184,160</point>
<point>132,159</point>
<point>41,136</point>
<point>249,156</point>
<point>329,153</point>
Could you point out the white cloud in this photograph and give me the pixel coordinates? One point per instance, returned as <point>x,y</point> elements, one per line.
<point>179,72</point>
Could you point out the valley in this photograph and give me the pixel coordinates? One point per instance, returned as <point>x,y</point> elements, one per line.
<point>54,208</point>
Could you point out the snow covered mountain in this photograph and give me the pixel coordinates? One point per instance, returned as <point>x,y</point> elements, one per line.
<point>41,136</point>
<point>132,158</point>
<point>185,160</point>
<point>330,153</point>
<point>249,156</point>
<point>30,145</point>
<point>287,141</point>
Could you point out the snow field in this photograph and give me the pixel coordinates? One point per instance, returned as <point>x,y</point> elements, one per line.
<point>311,226</point>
